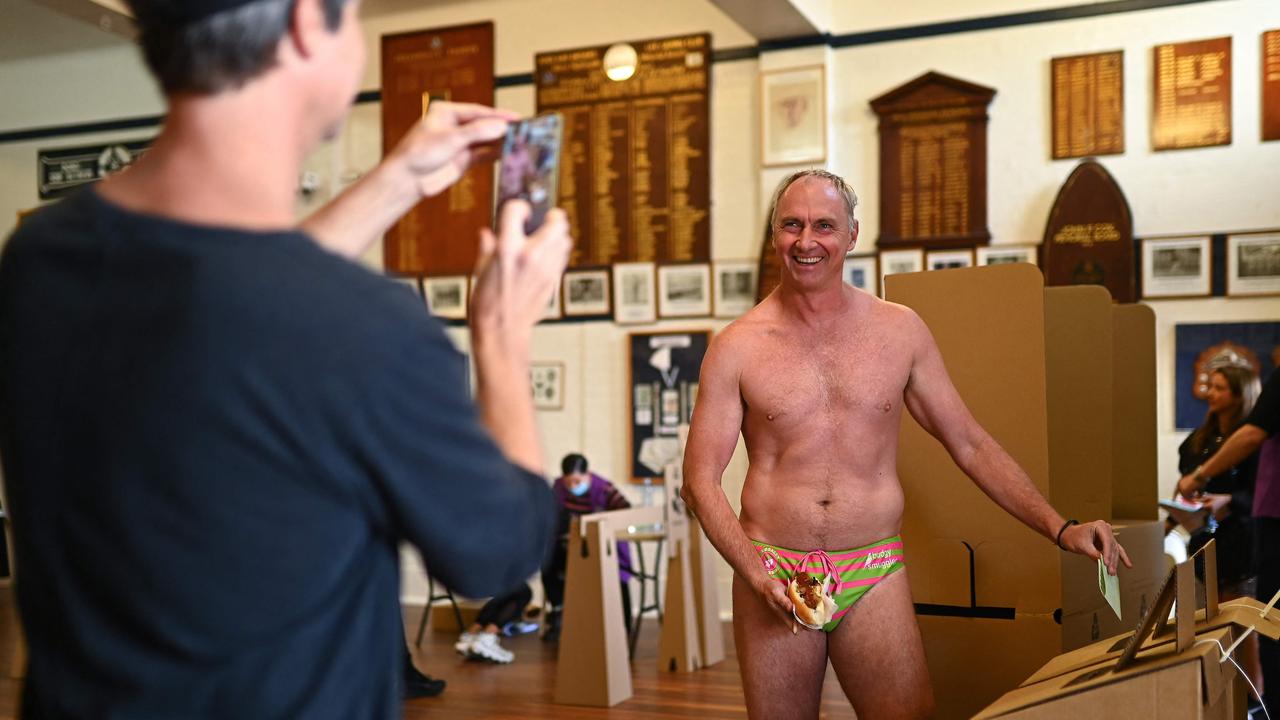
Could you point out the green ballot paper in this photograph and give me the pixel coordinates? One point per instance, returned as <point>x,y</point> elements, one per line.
<point>1109,586</point>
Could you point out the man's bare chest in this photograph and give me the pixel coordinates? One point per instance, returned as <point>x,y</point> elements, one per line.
<point>854,376</point>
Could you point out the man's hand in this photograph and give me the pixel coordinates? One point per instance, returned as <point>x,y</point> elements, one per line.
<point>438,149</point>
<point>1096,540</point>
<point>1189,486</point>
<point>516,275</point>
<point>774,595</point>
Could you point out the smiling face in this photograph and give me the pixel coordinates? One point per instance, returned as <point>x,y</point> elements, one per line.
<point>812,232</point>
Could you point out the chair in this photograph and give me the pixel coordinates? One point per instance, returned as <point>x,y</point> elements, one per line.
<point>432,597</point>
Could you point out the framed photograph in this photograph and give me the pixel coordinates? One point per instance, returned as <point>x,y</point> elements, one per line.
<point>684,290</point>
<point>1253,264</point>
<point>1002,254</point>
<point>547,381</point>
<point>1177,267</point>
<point>735,287</point>
<point>860,272</point>
<point>793,116</point>
<point>586,292</point>
<point>446,296</point>
<point>893,262</point>
<point>634,298</point>
<point>949,259</point>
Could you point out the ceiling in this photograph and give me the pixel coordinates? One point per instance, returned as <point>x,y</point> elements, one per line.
<point>31,30</point>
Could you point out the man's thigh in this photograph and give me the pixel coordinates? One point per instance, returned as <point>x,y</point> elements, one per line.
<point>878,655</point>
<point>782,672</point>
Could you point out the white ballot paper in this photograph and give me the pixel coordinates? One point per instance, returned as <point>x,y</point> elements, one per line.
<point>1109,586</point>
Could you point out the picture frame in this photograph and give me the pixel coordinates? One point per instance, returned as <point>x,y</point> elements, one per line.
<point>586,293</point>
<point>446,297</point>
<point>635,293</point>
<point>893,262</point>
<point>663,376</point>
<point>1003,254</point>
<point>546,381</point>
<point>793,115</point>
<point>862,272</point>
<point>1177,267</point>
<point>734,287</point>
<point>684,290</point>
<point>1253,264</point>
<point>948,259</point>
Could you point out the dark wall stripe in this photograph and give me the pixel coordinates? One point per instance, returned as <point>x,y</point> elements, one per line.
<point>993,22</point>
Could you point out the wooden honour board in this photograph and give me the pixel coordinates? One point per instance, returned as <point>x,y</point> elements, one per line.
<point>439,236</point>
<point>1271,85</point>
<point>933,163</point>
<point>635,170</point>
<point>1191,94</point>
<point>1088,105</point>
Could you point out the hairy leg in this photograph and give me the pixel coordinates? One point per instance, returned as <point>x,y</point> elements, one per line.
<point>782,672</point>
<point>878,655</point>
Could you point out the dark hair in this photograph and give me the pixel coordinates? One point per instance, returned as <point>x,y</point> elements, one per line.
<point>1244,384</point>
<point>220,52</point>
<point>573,463</point>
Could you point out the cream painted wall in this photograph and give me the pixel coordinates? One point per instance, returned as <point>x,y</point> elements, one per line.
<point>849,16</point>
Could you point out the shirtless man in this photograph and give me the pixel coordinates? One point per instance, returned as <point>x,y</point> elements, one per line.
<point>815,378</point>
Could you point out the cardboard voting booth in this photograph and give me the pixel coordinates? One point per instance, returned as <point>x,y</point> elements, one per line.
<point>1163,669</point>
<point>1039,368</point>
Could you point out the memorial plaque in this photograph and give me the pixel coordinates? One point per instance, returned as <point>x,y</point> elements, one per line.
<point>1088,105</point>
<point>933,163</point>
<point>1191,98</point>
<point>1271,85</point>
<point>635,174</point>
<point>439,236</point>
<point>1089,236</point>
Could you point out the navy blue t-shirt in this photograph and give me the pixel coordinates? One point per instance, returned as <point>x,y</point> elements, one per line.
<point>213,442</point>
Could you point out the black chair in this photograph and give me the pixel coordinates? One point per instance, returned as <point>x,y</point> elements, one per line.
<point>432,597</point>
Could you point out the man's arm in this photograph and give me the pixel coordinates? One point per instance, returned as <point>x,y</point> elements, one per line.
<point>934,402</point>
<point>713,434</point>
<point>431,157</point>
<point>1244,442</point>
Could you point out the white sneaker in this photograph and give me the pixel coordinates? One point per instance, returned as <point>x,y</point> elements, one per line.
<point>463,646</point>
<point>486,647</point>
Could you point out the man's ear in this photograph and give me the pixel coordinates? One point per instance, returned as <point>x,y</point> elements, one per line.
<point>306,22</point>
<point>853,237</point>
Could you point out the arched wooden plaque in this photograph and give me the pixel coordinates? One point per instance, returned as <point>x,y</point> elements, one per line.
<point>1089,237</point>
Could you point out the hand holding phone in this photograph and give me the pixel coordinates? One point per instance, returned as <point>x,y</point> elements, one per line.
<point>530,166</point>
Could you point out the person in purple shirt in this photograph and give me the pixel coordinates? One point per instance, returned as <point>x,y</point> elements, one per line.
<point>578,491</point>
<point>1259,433</point>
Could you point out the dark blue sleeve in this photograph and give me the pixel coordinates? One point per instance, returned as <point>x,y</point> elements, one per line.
<point>481,523</point>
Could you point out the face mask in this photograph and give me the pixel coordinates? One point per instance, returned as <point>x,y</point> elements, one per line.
<point>580,490</point>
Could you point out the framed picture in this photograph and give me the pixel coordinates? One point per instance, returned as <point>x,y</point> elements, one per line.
<point>1253,264</point>
<point>446,296</point>
<point>1177,267</point>
<point>634,299</point>
<point>793,116</point>
<point>684,290</point>
<point>586,292</point>
<point>735,287</point>
<point>893,262</point>
<point>948,259</point>
<point>547,381</point>
<point>663,389</point>
<point>1002,254</point>
<point>860,272</point>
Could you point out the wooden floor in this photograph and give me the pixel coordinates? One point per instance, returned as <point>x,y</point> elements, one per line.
<point>523,689</point>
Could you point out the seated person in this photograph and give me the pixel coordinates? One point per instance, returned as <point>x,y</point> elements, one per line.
<point>480,641</point>
<point>580,492</point>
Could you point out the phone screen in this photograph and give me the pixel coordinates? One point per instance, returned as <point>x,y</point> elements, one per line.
<point>530,166</point>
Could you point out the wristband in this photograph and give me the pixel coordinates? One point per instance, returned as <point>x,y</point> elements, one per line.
<point>1065,525</point>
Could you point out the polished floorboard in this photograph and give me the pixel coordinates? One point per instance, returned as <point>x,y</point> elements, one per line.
<point>523,690</point>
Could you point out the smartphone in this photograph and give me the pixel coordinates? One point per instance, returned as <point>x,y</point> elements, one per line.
<point>529,168</point>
